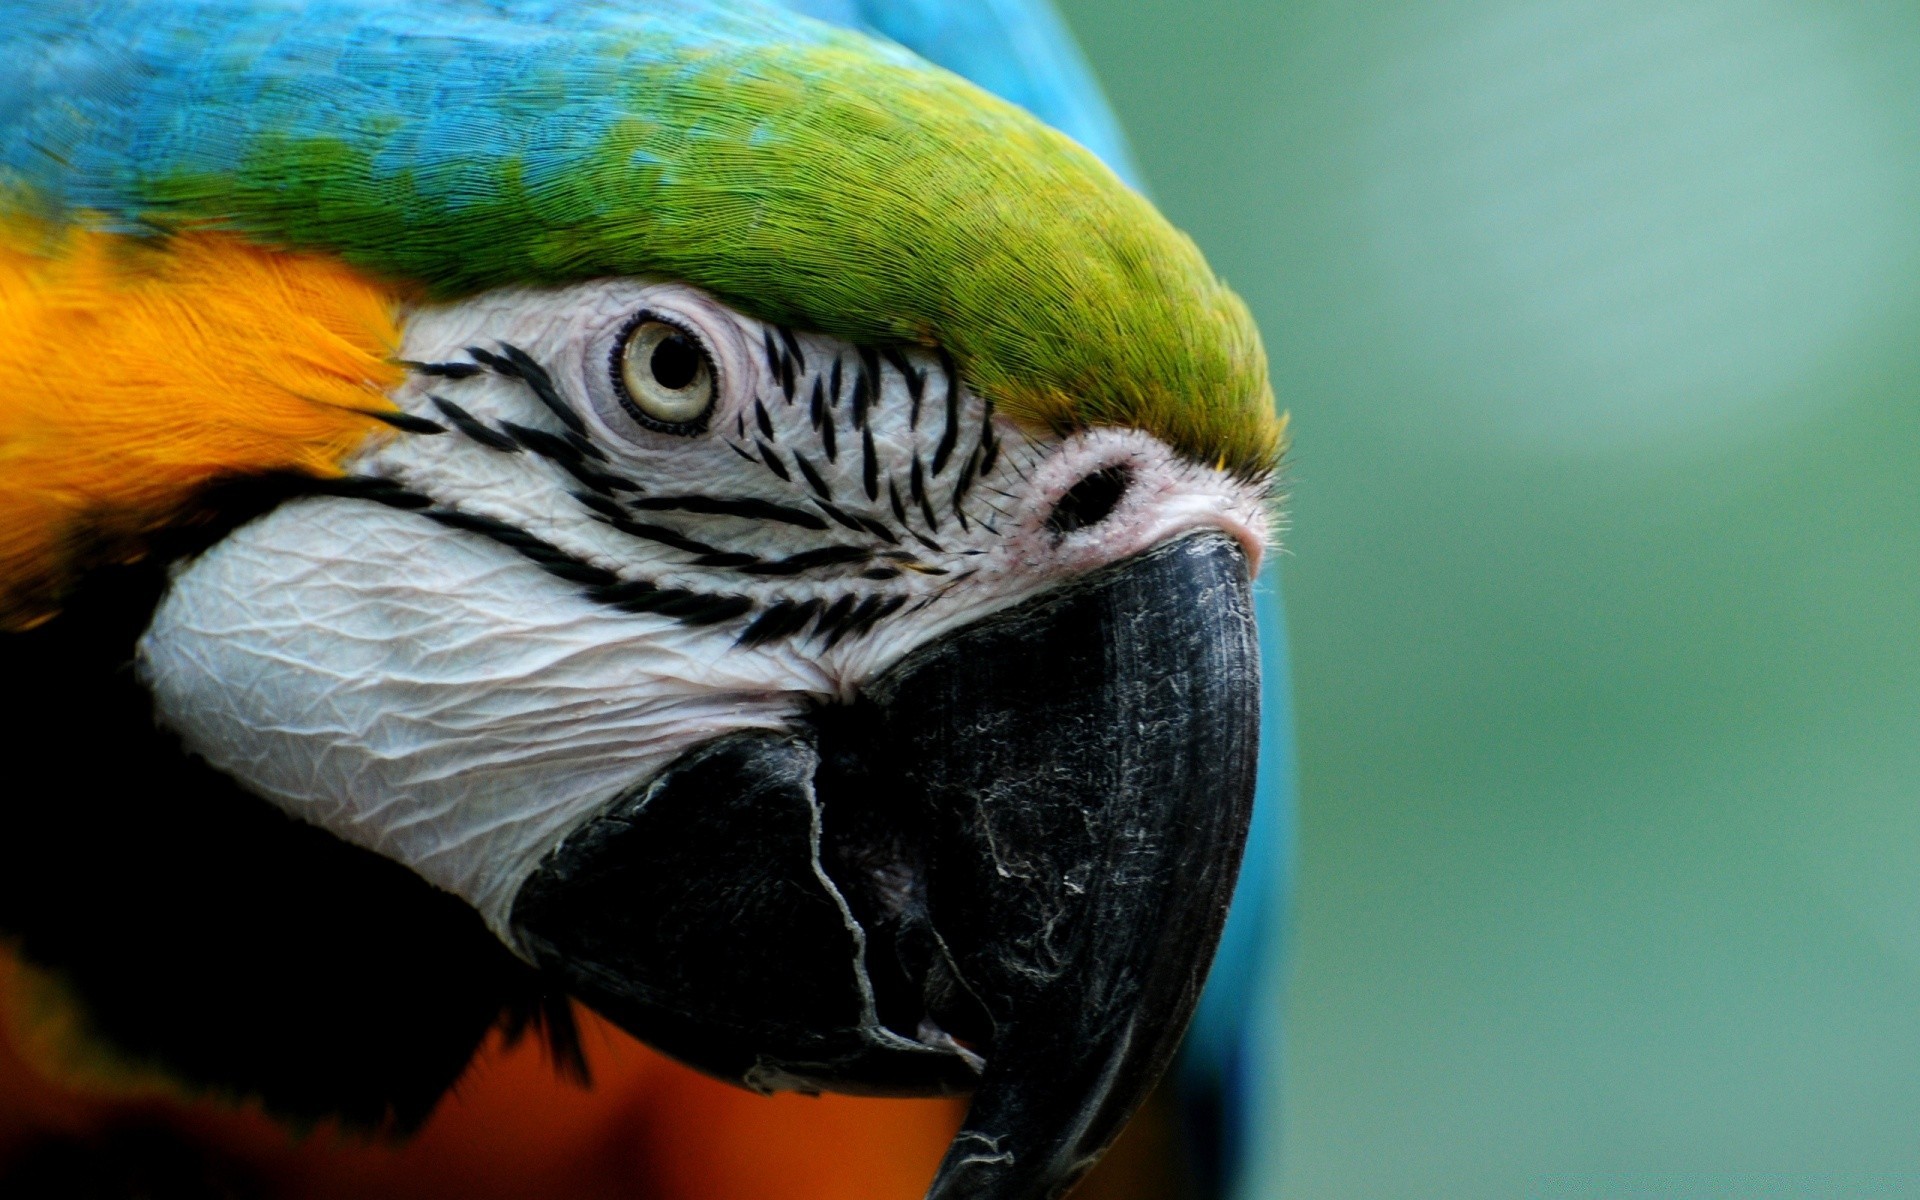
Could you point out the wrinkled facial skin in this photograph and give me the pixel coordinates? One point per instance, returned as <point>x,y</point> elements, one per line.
<point>789,705</point>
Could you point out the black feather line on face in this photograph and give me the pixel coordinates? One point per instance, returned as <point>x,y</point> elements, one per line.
<point>772,458</point>
<point>473,429</point>
<point>879,529</point>
<point>964,483</point>
<point>780,620</point>
<point>564,454</point>
<point>829,435</point>
<point>813,478</point>
<point>694,608</point>
<point>442,370</point>
<point>807,560</point>
<point>574,569</point>
<point>726,558</point>
<point>893,498</point>
<point>689,608</point>
<point>839,517</point>
<point>949,436</point>
<point>917,392</point>
<point>673,538</point>
<point>898,362</point>
<point>917,488</point>
<point>602,585</point>
<point>780,359</point>
<point>833,616</point>
<point>407,422</point>
<point>853,621</point>
<point>545,554</point>
<point>792,344</point>
<point>886,608</point>
<point>746,509</point>
<point>862,391</point>
<point>379,491</point>
<point>949,375</point>
<point>514,363</point>
<point>603,505</point>
<point>989,443</point>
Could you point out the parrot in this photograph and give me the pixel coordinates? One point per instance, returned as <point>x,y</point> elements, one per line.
<point>687,507</point>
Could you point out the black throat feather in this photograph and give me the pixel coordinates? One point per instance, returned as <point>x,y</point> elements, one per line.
<point>205,933</point>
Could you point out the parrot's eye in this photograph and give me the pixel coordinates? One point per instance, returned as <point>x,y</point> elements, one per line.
<point>663,376</point>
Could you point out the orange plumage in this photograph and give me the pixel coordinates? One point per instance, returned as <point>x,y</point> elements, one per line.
<point>139,372</point>
<point>649,1128</point>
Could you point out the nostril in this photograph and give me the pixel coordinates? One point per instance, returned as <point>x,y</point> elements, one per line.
<point>1090,501</point>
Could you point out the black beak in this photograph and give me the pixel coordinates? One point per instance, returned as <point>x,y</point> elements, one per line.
<point>1003,870</point>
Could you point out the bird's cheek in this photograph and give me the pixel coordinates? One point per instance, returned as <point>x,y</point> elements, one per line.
<point>431,697</point>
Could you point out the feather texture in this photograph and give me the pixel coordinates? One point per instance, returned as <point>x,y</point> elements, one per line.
<point>137,376</point>
<point>804,173</point>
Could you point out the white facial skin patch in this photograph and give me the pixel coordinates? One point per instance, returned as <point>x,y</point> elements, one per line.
<point>541,593</point>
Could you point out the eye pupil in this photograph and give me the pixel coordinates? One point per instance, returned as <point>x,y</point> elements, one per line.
<point>675,362</point>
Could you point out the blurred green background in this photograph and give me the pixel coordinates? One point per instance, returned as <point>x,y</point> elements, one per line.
<point>1597,320</point>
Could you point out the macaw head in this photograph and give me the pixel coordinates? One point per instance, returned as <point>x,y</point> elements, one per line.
<point>762,523</point>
